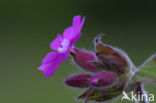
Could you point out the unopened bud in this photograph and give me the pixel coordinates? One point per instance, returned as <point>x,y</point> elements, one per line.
<point>113,62</point>
<point>104,79</point>
<point>113,57</point>
<point>83,59</point>
<point>80,81</point>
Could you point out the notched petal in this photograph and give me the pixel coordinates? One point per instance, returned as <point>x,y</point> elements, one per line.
<point>51,62</point>
<point>56,43</point>
<point>76,20</point>
<point>82,23</point>
<point>68,33</point>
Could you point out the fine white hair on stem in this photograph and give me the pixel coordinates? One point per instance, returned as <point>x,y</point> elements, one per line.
<point>146,61</point>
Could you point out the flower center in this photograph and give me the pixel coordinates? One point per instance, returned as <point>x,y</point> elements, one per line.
<point>64,44</point>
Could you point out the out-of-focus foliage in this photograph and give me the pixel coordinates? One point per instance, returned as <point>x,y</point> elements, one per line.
<point>147,71</point>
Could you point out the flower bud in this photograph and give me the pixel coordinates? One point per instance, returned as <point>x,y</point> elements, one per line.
<point>80,81</point>
<point>113,62</point>
<point>104,79</point>
<point>83,59</point>
<point>113,57</point>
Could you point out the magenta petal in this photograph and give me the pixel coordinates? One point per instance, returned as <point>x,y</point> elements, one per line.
<point>51,62</point>
<point>68,33</point>
<point>73,33</point>
<point>50,70</point>
<point>66,54</point>
<point>50,57</point>
<point>78,24</point>
<point>76,21</point>
<point>82,22</point>
<point>43,66</point>
<point>74,39</point>
<point>56,43</point>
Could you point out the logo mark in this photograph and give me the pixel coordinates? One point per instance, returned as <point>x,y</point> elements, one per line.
<point>125,96</point>
<point>138,97</point>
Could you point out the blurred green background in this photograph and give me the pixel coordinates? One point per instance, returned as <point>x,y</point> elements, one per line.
<point>28,26</point>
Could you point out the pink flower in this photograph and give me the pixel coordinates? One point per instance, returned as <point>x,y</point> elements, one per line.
<point>63,46</point>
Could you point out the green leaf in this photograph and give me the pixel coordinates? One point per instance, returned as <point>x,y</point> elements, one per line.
<point>147,71</point>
